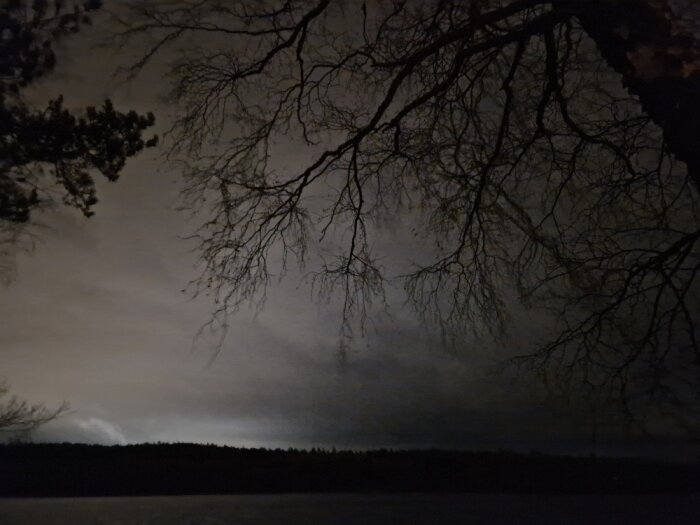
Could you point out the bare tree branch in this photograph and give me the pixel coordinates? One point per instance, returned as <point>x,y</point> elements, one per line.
<point>499,124</point>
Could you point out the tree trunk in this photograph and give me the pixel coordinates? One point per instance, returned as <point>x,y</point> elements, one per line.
<point>659,60</point>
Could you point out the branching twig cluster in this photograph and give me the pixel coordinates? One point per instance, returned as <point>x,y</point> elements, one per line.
<point>496,122</point>
<point>19,416</point>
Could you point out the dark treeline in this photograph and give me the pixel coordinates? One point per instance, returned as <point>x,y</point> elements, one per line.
<point>149,469</point>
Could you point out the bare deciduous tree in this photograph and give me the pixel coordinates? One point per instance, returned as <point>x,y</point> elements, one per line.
<point>542,145</point>
<point>17,415</point>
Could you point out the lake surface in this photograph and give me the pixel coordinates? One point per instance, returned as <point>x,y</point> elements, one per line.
<point>355,509</point>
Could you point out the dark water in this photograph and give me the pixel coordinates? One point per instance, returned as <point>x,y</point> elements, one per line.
<point>347,509</point>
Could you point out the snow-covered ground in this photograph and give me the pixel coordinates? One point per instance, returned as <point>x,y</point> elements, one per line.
<point>347,509</point>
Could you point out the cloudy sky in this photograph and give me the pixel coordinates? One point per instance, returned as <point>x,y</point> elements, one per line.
<point>97,317</point>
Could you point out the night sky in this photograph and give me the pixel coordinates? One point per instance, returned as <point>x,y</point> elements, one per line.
<point>99,316</point>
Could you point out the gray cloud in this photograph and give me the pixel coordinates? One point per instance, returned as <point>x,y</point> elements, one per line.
<point>96,317</point>
<point>81,429</point>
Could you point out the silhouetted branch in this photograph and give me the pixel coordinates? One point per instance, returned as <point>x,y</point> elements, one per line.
<point>496,127</point>
<point>19,416</point>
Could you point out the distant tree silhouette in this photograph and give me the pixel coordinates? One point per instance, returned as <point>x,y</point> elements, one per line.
<point>534,145</point>
<point>52,148</point>
<point>182,468</point>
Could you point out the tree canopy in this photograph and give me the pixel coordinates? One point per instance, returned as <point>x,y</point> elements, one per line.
<point>42,151</point>
<point>53,148</point>
<point>540,149</point>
